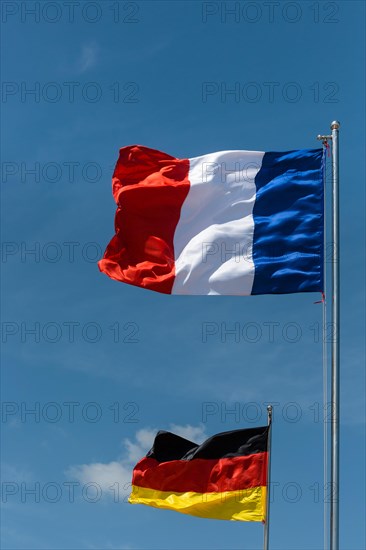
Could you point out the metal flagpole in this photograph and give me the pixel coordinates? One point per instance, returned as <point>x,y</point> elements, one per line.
<point>334,503</point>
<point>266,525</point>
<point>334,479</point>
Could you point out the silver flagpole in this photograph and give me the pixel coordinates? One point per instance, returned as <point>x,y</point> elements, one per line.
<point>266,525</point>
<point>334,503</point>
<point>334,474</point>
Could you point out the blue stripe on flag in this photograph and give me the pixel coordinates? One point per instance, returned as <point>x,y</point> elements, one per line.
<point>288,223</point>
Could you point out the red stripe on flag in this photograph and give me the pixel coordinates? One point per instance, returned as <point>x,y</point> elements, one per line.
<point>149,188</point>
<point>202,475</point>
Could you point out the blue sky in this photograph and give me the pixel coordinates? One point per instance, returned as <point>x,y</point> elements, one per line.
<point>108,364</point>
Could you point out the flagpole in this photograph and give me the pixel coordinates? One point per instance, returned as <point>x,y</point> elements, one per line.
<point>334,503</point>
<point>266,524</point>
<point>335,372</point>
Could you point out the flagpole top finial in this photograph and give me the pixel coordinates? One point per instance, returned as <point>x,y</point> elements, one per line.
<point>269,414</point>
<point>335,125</point>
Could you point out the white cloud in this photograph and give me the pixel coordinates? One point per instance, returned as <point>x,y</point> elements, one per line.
<point>193,433</point>
<point>105,475</point>
<point>88,57</point>
<point>108,474</point>
<point>145,438</point>
<point>135,450</point>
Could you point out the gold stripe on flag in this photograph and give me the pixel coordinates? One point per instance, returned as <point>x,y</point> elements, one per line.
<point>238,505</point>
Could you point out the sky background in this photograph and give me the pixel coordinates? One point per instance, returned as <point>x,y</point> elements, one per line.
<point>107,364</point>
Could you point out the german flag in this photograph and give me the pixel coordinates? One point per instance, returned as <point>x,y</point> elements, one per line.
<point>224,478</point>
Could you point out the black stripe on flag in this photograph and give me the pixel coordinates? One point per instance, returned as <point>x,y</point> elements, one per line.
<point>168,446</point>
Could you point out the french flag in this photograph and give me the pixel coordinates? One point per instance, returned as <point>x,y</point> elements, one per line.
<point>225,223</point>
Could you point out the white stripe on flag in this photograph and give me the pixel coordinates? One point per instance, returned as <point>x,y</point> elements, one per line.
<point>214,237</point>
